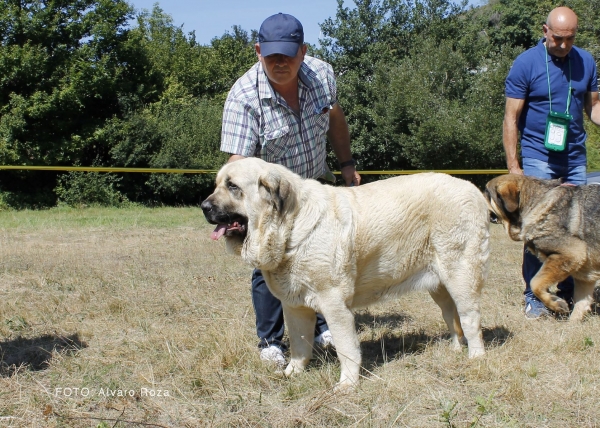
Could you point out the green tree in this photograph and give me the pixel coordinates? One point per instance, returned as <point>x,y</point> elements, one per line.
<point>180,133</point>
<point>65,68</point>
<point>181,129</point>
<point>406,69</point>
<point>196,69</point>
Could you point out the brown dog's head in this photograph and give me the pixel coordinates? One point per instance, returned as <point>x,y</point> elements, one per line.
<point>253,207</point>
<point>503,195</point>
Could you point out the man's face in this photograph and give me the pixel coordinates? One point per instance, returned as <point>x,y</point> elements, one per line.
<point>282,69</point>
<point>559,41</point>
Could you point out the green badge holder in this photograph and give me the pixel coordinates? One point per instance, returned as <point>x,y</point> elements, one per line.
<point>557,127</point>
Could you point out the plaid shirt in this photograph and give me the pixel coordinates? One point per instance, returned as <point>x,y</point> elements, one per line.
<point>258,122</point>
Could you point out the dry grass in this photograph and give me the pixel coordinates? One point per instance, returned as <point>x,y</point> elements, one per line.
<point>138,301</point>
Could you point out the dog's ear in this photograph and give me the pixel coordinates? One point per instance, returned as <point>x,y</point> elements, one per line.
<point>278,191</point>
<point>270,229</point>
<point>509,193</point>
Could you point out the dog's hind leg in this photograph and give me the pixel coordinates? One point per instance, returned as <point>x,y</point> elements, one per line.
<point>301,330</point>
<point>583,296</point>
<point>467,306</point>
<point>450,315</point>
<point>463,281</point>
<point>470,320</point>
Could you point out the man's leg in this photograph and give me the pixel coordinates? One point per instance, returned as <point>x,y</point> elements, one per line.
<point>534,308</point>
<point>269,313</point>
<point>323,336</point>
<point>321,325</point>
<point>576,175</point>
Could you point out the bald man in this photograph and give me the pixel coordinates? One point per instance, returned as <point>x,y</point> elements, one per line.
<point>547,89</point>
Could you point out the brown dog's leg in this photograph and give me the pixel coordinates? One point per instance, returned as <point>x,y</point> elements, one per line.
<point>583,297</point>
<point>551,273</point>
<point>450,314</point>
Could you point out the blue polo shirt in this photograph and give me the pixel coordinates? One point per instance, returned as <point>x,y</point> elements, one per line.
<point>527,80</point>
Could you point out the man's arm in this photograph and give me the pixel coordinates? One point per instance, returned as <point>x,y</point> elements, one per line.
<point>339,137</point>
<point>592,107</point>
<point>239,135</point>
<point>510,133</point>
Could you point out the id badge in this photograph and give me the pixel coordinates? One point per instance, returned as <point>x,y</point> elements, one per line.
<point>557,126</point>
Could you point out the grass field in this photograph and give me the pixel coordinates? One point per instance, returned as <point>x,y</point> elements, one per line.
<point>135,318</point>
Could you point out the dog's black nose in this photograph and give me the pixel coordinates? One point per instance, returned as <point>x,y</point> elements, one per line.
<point>206,205</point>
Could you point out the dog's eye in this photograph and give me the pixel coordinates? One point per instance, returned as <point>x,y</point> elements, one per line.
<point>233,188</point>
<point>494,218</point>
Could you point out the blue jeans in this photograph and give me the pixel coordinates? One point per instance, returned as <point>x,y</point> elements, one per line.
<point>571,174</point>
<point>269,314</point>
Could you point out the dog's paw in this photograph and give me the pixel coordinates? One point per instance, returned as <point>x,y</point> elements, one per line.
<point>560,306</point>
<point>344,387</point>
<point>476,352</point>
<point>293,369</point>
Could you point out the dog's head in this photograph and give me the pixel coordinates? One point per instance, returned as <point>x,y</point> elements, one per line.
<point>503,195</point>
<point>253,207</point>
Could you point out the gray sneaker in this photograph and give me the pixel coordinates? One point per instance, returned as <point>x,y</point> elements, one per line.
<point>273,354</point>
<point>324,339</point>
<point>535,309</point>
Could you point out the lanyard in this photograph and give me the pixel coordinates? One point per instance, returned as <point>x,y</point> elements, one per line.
<point>548,75</point>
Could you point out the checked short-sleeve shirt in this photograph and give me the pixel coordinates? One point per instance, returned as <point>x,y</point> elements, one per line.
<point>257,121</point>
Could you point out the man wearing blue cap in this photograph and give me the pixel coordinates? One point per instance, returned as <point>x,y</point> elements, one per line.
<point>282,110</point>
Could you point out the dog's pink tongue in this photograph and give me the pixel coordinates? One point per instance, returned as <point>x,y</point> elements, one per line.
<point>218,232</point>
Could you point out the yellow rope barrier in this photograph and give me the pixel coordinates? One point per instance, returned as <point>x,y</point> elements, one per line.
<point>214,171</point>
<point>110,169</point>
<point>445,171</point>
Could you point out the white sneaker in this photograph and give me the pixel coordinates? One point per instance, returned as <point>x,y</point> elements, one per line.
<point>273,354</point>
<point>324,339</point>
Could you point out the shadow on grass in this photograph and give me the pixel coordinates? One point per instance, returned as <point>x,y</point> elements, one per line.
<point>35,353</point>
<point>392,345</point>
<point>495,336</point>
<point>386,346</point>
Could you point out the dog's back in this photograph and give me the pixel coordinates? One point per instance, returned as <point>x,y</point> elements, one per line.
<point>576,209</point>
<point>590,197</point>
<point>414,231</point>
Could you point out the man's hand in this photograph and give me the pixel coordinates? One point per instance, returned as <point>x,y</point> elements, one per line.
<point>516,170</point>
<point>350,176</point>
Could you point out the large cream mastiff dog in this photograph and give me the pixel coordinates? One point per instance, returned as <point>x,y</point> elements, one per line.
<point>333,249</point>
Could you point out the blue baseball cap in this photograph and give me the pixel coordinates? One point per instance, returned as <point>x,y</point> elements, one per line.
<point>280,34</point>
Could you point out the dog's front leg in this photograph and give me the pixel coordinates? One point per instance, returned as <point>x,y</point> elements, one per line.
<point>340,320</point>
<point>301,330</point>
<point>555,269</point>
<point>583,296</point>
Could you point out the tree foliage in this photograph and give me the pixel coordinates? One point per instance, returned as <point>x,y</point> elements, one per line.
<point>422,80</point>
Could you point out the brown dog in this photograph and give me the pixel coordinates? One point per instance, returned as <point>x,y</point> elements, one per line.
<point>560,224</point>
